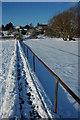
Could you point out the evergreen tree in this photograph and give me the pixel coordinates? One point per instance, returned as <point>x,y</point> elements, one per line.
<point>9,26</point>
<point>3,28</point>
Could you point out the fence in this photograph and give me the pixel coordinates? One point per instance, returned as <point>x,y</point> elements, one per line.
<point>58,80</point>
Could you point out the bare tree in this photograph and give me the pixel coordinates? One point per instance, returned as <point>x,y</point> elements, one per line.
<point>65,24</point>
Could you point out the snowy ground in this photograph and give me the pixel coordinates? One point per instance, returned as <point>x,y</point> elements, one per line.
<point>62,57</point>
<point>22,95</point>
<point>25,95</point>
<point>6,54</point>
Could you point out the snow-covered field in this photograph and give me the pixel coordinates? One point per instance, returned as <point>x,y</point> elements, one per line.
<point>27,95</point>
<point>62,58</point>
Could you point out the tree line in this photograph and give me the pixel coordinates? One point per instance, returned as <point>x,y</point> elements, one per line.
<point>65,25</point>
<point>10,26</point>
<point>7,27</point>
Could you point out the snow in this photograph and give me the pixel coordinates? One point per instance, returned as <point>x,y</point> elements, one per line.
<point>10,95</point>
<point>7,83</point>
<point>62,58</point>
<point>37,90</point>
<point>41,36</point>
<point>16,86</point>
<point>7,53</point>
<point>5,33</point>
<point>25,94</point>
<point>25,36</point>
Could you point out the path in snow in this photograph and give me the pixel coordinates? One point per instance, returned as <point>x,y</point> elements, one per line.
<point>27,110</point>
<point>10,102</point>
<point>24,96</point>
<point>6,53</point>
<point>35,103</point>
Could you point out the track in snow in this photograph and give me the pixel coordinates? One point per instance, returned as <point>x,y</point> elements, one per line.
<point>31,102</point>
<point>24,95</point>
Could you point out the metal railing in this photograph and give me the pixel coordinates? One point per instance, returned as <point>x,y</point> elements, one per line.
<point>58,80</point>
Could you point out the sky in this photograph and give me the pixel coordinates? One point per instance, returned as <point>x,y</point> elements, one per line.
<point>22,13</point>
<point>0,13</point>
<point>40,0</point>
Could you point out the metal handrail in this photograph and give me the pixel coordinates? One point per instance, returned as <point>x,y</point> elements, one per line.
<point>58,80</point>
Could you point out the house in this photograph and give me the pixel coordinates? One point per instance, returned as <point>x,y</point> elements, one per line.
<point>30,31</point>
<point>25,29</point>
<point>17,35</point>
<point>17,27</point>
<point>41,27</point>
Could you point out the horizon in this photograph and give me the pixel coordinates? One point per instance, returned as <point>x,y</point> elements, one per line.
<point>22,13</point>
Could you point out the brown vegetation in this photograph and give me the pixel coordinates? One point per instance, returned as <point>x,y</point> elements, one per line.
<point>65,25</point>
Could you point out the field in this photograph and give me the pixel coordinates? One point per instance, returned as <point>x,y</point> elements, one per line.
<point>25,94</point>
<point>61,56</point>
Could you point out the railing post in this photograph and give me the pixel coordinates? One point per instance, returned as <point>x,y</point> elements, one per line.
<point>55,99</point>
<point>27,52</point>
<point>33,63</point>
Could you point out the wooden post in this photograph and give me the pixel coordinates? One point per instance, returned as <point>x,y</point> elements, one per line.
<point>33,63</point>
<point>55,99</point>
<point>27,52</point>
